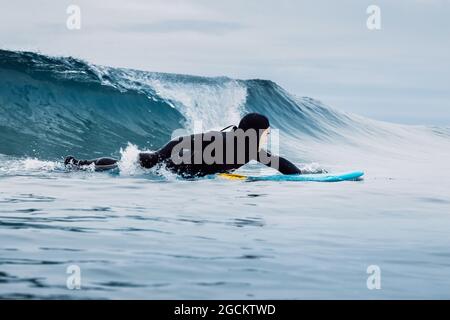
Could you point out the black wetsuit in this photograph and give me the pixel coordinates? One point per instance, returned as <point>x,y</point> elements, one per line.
<point>230,160</point>
<point>208,153</point>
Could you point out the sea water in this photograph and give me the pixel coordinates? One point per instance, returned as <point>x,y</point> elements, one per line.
<point>141,234</point>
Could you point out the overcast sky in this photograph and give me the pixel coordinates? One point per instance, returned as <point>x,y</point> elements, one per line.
<point>316,48</point>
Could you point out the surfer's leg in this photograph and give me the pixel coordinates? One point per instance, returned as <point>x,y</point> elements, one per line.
<point>100,163</point>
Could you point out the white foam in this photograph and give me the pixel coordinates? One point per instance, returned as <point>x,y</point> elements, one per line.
<point>33,164</point>
<point>217,102</point>
<point>9,166</point>
<point>129,160</point>
<point>215,105</point>
<point>129,164</point>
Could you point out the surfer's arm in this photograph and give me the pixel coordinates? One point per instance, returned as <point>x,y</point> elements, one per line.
<point>279,163</point>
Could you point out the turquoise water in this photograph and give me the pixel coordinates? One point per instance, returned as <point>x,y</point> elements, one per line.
<point>136,234</point>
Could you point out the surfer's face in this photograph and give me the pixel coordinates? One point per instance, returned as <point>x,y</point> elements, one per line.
<point>263,139</point>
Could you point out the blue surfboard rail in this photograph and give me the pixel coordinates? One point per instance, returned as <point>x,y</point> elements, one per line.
<point>327,177</point>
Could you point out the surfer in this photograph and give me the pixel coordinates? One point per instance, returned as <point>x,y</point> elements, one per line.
<point>208,153</point>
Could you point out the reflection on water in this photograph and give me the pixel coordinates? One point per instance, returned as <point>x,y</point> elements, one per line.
<point>135,238</point>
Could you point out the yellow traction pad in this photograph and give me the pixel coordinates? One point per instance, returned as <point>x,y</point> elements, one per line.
<point>232,176</point>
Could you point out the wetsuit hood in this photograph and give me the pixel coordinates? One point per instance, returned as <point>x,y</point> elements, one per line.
<point>254,121</point>
<point>257,122</point>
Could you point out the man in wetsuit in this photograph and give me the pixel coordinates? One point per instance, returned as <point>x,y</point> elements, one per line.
<point>208,153</point>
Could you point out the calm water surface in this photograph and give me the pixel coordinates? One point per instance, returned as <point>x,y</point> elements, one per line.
<point>135,237</point>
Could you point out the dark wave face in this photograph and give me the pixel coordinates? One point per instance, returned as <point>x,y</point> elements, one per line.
<point>51,107</point>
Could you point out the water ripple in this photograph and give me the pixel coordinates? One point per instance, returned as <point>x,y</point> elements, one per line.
<point>28,198</point>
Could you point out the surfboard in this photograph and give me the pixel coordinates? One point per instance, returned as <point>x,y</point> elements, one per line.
<point>326,177</point>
